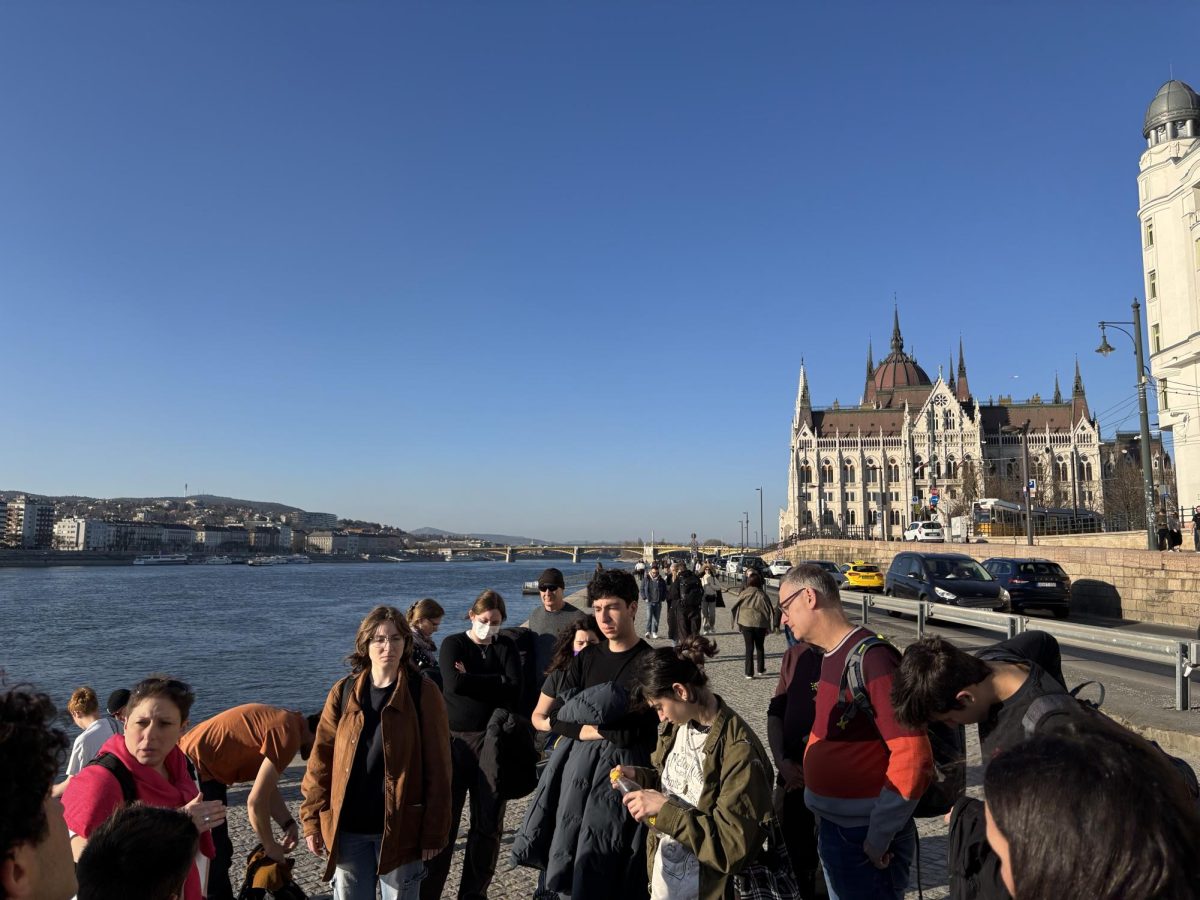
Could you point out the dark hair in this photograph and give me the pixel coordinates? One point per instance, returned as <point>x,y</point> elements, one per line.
<point>931,673</point>
<point>487,600</point>
<point>613,583</point>
<point>178,692</point>
<point>754,578</point>
<point>31,750</point>
<point>564,651</point>
<point>1093,810</point>
<point>360,658</point>
<point>682,664</point>
<point>140,851</point>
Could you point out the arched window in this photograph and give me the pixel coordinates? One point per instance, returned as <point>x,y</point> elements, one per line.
<point>826,471</point>
<point>848,472</point>
<point>808,517</point>
<point>951,467</point>
<point>827,517</point>
<point>806,474</point>
<point>948,420</point>
<point>1010,469</point>
<point>1087,470</point>
<point>1064,471</point>
<point>872,471</point>
<point>851,519</point>
<point>893,470</point>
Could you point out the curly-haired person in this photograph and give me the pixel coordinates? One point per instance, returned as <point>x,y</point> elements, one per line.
<point>35,851</point>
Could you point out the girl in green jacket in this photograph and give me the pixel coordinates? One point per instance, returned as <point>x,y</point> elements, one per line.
<point>709,791</point>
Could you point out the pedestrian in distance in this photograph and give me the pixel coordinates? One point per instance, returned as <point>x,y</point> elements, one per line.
<point>707,793</point>
<point>1091,810</point>
<point>752,614</point>
<point>1196,528</point>
<point>425,618</point>
<point>84,708</point>
<point>141,851</point>
<point>685,596</point>
<point>863,774</point>
<point>35,848</point>
<point>376,791</point>
<point>249,743</point>
<point>481,671</point>
<point>712,596</point>
<point>548,619</point>
<point>145,764</point>
<point>653,592</point>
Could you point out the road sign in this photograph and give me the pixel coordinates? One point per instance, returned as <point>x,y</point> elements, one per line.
<point>916,499</point>
<point>933,492</point>
<point>933,500</point>
<point>1032,486</point>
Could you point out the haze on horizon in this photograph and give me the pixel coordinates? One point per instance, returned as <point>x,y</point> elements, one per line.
<point>545,269</point>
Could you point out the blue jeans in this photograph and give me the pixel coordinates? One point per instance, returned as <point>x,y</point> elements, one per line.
<point>357,861</point>
<point>652,624</point>
<point>850,875</point>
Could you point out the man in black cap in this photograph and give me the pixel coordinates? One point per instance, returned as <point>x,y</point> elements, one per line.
<point>117,702</point>
<point>547,620</point>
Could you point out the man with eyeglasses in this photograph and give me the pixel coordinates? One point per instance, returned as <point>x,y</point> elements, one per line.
<point>549,619</point>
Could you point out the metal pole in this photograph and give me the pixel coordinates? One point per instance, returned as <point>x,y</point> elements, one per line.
<point>1025,478</point>
<point>1147,472</point>
<point>762,543</point>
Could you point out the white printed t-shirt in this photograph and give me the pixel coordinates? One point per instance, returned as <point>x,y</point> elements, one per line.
<point>676,869</point>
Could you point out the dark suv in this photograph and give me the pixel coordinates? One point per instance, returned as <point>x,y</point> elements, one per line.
<point>758,565</point>
<point>952,578</point>
<point>1033,583</point>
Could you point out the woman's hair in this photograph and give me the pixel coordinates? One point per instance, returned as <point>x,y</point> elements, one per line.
<point>360,658</point>
<point>427,608</point>
<point>564,650</point>
<point>1092,810</point>
<point>141,851</point>
<point>488,600</point>
<point>753,578</point>
<point>83,702</point>
<point>178,692</point>
<point>682,664</point>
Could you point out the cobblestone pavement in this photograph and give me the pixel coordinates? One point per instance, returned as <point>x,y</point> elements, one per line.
<point>748,697</point>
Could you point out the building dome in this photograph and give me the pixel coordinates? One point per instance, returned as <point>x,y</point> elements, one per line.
<point>899,370</point>
<point>1175,101</point>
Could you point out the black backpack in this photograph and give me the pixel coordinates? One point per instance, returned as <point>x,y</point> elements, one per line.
<point>113,764</point>
<point>949,742</point>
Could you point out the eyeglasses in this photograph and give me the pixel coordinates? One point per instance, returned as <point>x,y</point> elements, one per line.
<point>784,604</point>
<point>381,640</point>
<point>546,588</point>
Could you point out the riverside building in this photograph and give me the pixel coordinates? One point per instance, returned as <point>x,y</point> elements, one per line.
<point>872,468</point>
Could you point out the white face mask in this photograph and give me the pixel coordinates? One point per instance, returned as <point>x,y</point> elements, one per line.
<point>482,630</point>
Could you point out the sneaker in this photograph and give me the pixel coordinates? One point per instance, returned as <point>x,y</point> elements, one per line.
<point>647,634</point>
<point>749,677</point>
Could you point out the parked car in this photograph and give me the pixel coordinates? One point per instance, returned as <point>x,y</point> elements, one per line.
<point>952,578</point>
<point>733,565</point>
<point>924,531</point>
<point>1033,584</point>
<point>828,565</point>
<point>779,567</point>
<point>861,576</point>
<point>757,564</point>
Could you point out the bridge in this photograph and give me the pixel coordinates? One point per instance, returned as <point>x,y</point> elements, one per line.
<point>648,553</point>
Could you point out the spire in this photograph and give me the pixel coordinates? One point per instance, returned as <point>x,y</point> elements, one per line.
<point>869,385</point>
<point>962,389</point>
<point>1079,404</point>
<point>897,340</point>
<point>803,401</point>
<point>1077,389</point>
<point>950,369</point>
<point>962,366</point>
<point>1057,390</point>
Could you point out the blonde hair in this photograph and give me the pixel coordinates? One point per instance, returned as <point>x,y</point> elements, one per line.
<point>83,702</point>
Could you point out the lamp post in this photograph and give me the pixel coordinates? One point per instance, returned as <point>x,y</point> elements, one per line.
<point>1106,348</point>
<point>1024,432</point>
<point>746,516</point>
<point>762,534</point>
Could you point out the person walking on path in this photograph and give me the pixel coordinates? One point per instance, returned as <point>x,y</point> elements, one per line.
<point>84,708</point>
<point>752,614</point>
<point>549,619</point>
<point>685,596</point>
<point>482,673</point>
<point>1196,528</point>
<point>712,595</point>
<point>707,794</point>
<point>653,592</point>
<point>253,742</point>
<point>376,792</point>
<point>863,774</point>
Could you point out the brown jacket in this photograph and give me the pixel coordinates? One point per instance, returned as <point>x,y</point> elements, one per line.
<point>416,785</point>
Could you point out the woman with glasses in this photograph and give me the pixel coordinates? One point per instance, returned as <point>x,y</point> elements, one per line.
<point>481,672</point>
<point>375,793</point>
<point>145,765</point>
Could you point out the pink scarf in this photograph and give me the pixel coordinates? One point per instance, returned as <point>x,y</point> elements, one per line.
<point>93,794</point>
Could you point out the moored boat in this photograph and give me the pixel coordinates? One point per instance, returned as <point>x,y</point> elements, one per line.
<point>162,559</point>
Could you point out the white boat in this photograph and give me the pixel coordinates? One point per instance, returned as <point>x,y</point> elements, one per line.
<point>297,559</point>
<point>267,561</point>
<point>163,559</point>
<point>530,587</point>
<point>218,561</point>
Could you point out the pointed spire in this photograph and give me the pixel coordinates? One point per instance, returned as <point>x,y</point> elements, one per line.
<point>962,389</point>
<point>962,366</point>
<point>1079,404</point>
<point>802,398</point>
<point>1057,390</point>
<point>897,340</point>
<point>1077,389</point>
<point>950,369</point>
<point>870,358</point>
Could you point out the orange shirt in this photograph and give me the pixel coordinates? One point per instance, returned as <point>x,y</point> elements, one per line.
<point>231,746</point>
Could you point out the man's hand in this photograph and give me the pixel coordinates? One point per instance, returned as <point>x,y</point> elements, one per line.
<point>291,836</point>
<point>792,774</point>
<point>644,804</point>
<point>590,733</point>
<point>275,852</point>
<point>879,859</point>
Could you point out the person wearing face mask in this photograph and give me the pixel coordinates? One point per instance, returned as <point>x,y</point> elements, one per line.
<point>481,672</point>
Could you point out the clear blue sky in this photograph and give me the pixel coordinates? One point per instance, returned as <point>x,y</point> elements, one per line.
<point>544,268</point>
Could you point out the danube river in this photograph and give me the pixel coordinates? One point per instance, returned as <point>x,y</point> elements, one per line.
<point>237,634</point>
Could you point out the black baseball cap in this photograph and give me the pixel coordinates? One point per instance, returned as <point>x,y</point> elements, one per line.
<point>551,578</point>
<point>117,699</point>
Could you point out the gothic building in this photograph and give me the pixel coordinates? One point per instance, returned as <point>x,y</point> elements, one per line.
<point>876,466</point>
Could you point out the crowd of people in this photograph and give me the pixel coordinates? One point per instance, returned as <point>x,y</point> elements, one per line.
<point>644,782</point>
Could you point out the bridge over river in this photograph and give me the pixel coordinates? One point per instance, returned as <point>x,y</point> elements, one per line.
<point>648,553</point>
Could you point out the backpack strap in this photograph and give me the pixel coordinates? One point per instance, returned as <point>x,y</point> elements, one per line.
<point>113,764</point>
<point>1094,704</point>
<point>1045,707</point>
<point>852,689</point>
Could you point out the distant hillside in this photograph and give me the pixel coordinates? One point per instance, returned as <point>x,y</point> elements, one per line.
<point>267,507</point>
<point>428,532</point>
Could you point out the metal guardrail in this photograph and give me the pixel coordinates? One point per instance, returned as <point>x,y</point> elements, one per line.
<point>1180,655</point>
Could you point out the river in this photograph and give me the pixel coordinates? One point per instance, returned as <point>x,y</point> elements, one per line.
<point>237,634</point>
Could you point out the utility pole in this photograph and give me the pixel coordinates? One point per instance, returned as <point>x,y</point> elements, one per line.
<point>763,539</point>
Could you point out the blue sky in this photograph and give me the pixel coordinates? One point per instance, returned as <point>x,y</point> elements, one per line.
<point>545,268</point>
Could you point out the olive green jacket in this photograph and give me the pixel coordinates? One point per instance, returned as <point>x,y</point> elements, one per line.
<point>725,829</point>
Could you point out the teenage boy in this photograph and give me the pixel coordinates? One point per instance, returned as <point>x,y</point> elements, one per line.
<point>863,774</point>
<point>35,850</point>
<point>547,620</point>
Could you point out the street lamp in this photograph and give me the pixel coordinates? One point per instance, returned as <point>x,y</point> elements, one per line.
<point>1106,348</point>
<point>747,518</point>
<point>763,534</point>
<point>1024,432</point>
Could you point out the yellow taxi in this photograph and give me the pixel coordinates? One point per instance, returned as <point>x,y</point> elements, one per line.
<point>861,576</point>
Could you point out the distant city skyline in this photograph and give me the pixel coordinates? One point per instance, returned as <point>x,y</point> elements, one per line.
<point>545,269</point>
